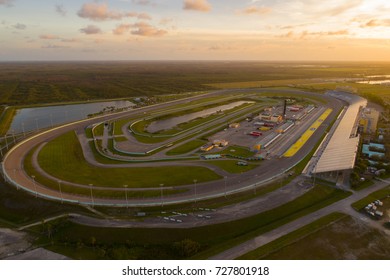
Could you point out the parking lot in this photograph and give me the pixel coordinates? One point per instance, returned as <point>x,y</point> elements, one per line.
<point>241,136</point>
<point>198,215</point>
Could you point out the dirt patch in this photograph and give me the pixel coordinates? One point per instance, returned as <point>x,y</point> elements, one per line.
<point>12,242</point>
<point>348,239</point>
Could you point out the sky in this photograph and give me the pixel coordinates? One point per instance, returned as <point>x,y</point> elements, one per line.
<point>347,30</point>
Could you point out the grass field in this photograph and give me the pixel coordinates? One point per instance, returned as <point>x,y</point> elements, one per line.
<point>63,159</point>
<point>306,136</point>
<point>98,131</point>
<point>358,205</point>
<point>6,120</point>
<point>213,238</point>
<point>120,139</point>
<point>288,239</point>
<point>231,166</point>
<point>238,151</point>
<point>33,83</point>
<point>18,208</point>
<point>186,147</point>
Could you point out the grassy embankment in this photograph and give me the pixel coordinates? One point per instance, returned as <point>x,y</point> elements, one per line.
<point>186,147</point>
<point>19,208</point>
<point>209,239</point>
<point>231,166</point>
<point>359,205</point>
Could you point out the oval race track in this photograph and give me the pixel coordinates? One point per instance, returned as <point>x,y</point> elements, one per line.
<point>14,172</point>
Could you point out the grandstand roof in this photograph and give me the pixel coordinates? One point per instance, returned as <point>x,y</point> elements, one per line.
<point>340,153</point>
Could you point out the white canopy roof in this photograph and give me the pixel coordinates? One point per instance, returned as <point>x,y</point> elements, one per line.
<point>340,153</point>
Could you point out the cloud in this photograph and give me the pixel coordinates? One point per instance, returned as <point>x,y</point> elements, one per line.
<point>121,29</point>
<point>90,30</point>
<point>61,10</point>
<point>49,37</point>
<point>72,40</point>
<point>144,16</point>
<point>101,12</point>
<point>253,10</point>
<point>147,30</point>
<point>197,5</point>
<point>344,7</point>
<point>142,2</point>
<point>376,23</point>
<point>325,33</point>
<point>287,35</point>
<point>98,12</point>
<point>166,21</point>
<point>50,46</point>
<point>7,3</point>
<point>19,26</point>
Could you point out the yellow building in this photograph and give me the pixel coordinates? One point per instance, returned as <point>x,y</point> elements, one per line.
<point>206,148</point>
<point>271,118</point>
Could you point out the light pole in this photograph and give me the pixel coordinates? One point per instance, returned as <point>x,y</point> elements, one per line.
<point>13,135</point>
<point>36,122</point>
<point>281,179</point>
<point>225,185</point>
<point>254,186</point>
<point>314,174</point>
<point>59,186</point>
<point>93,202</point>
<point>162,197</point>
<point>51,120</point>
<point>195,188</point>
<point>127,202</point>
<point>35,186</point>
<point>6,141</point>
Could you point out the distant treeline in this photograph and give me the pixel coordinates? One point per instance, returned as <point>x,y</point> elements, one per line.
<point>47,82</point>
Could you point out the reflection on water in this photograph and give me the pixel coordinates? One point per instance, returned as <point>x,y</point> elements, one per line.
<point>375,82</point>
<point>29,119</point>
<point>170,123</point>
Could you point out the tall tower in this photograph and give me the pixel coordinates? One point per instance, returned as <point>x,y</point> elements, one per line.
<point>284,109</point>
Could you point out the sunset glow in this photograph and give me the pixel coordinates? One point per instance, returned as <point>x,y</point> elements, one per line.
<point>195,29</point>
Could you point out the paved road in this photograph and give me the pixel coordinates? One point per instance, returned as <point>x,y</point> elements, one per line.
<point>340,206</point>
<point>13,162</point>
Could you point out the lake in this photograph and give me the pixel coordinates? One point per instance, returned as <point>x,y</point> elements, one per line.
<point>172,122</point>
<point>29,119</point>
